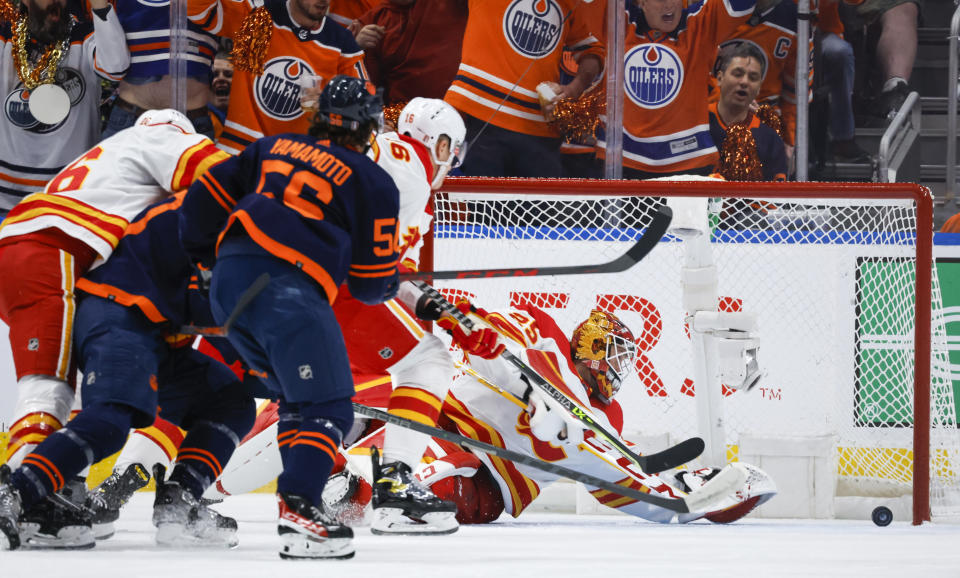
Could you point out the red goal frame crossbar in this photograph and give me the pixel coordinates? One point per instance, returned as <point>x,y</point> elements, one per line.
<point>920,195</point>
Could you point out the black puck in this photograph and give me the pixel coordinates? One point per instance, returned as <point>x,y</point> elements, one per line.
<point>882,516</point>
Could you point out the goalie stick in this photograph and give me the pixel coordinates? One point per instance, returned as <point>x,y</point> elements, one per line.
<point>672,457</point>
<point>247,297</point>
<point>639,250</point>
<point>686,451</point>
<point>719,487</point>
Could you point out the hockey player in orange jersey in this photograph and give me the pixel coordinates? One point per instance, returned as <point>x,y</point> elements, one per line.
<point>510,47</point>
<point>665,70</point>
<point>300,46</point>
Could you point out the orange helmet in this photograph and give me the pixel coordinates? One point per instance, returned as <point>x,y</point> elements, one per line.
<point>605,346</point>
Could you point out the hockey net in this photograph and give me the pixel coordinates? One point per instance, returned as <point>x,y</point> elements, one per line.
<point>830,270</point>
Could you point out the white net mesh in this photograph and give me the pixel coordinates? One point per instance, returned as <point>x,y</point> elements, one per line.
<point>831,283</point>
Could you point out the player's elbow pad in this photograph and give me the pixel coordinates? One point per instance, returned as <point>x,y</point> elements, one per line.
<point>373,291</point>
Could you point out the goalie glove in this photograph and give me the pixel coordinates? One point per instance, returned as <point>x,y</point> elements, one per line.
<point>481,341</point>
<point>551,423</point>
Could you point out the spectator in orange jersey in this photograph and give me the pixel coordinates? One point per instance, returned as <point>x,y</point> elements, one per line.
<point>511,47</point>
<point>666,129</point>
<point>412,48</point>
<point>952,225</point>
<point>279,49</point>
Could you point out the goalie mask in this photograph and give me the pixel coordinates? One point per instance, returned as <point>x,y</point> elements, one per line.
<point>605,347</point>
<point>433,122</point>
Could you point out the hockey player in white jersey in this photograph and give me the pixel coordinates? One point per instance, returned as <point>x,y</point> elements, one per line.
<point>51,238</point>
<point>387,338</point>
<point>51,98</point>
<point>494,404</point>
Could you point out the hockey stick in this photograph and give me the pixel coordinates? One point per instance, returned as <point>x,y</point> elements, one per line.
<point>667,459</point>
<point>639,250</point>
<point>246,298</point>
<point>722,485</point>
<point>685,451</point>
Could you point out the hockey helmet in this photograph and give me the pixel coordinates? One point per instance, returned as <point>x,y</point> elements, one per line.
<point>346,103</point>
<point>605,347</point>
<point>166,116</point>
<point>428,120</point>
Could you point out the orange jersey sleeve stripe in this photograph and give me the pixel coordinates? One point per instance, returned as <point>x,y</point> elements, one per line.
<point>140,225</point>
<point>123,298</point>
<point>374,267</point>
<point>299,260</point>
<point>214,186</point>
<point>195,161</point>
<point>21,181</point>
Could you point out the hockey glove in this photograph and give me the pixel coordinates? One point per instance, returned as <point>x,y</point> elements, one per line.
<point>551,423</point>
<point>481,341</point>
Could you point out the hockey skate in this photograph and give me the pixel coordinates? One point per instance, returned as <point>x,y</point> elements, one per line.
<point>105,500</point>
<point>9,512</point>
<point>402,505</point>
<point>306,532</point>
<point>181,519</point>
<point>57,523</point>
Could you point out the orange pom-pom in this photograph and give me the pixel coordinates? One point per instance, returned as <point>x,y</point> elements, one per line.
<point>8,13</point>
<point>739,160</point>
<point>251,42</point>
<point>770,116</point>
<point>577,119</point>
<point>391,114</point>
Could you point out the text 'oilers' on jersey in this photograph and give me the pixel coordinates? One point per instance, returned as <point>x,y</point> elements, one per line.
<point>32,152</point>
<point>328,210</point>
<point>665,126</point>
<point>408,164</point>
<point>774,33</point>
<point>511,46</point>
<point>97,194</point>
<point>269,103</point>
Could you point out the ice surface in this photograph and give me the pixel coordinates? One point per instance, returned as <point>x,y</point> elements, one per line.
<point>536,545</point>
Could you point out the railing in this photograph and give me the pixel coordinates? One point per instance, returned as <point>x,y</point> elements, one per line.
<point>952,78</point>
<point>899,137</point>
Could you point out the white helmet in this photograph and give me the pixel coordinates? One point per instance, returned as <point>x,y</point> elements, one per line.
<point>427,120</point>
<point>166,116</point>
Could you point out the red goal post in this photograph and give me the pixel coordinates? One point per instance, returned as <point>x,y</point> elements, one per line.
<point>794,254</point>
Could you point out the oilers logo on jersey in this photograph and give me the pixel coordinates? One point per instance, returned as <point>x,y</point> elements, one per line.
<point>653,75</point>
<point>532,27</point>
<point>17,109</point>
<point>277,90</point>
<point>764,65</point>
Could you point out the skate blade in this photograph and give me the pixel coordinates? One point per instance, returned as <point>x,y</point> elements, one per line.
<point>68,538</point>
<point>103,531</point>
<point>9,538</point>
<point>302,547</point>
<point>392,521</point>
<point>177,536</point>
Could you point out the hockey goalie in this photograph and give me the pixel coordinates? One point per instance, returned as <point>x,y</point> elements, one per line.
<point>493,403</point>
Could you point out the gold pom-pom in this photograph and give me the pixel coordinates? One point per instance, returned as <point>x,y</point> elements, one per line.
<point>391,114</point>
<point>577,119</point>
<point>251,42</point>
<point>770,116</point>
<point>739,160</point>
